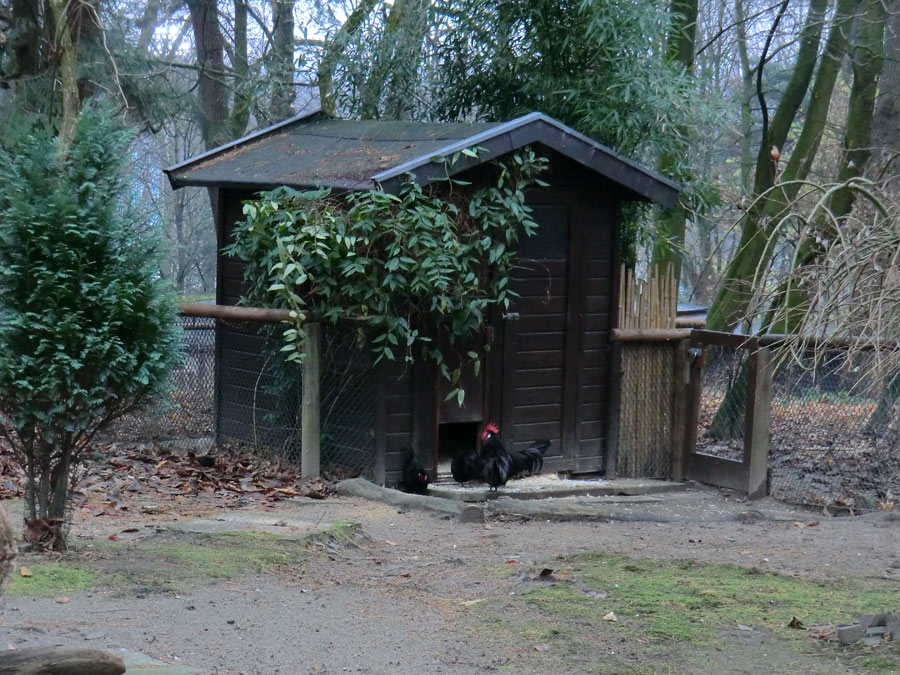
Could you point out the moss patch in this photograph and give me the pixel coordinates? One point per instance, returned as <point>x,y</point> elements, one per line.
<point>176,561</point>
<point>685,616</point>
<point>687,601</point>
<point>51,579</point>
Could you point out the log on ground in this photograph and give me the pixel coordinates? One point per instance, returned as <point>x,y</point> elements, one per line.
<point>360,487</point>
<point>60,661</point>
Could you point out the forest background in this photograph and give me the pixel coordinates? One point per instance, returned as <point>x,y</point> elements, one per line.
<point>780,119</point>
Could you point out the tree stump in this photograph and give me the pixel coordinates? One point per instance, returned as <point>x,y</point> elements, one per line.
<point>60,661</point>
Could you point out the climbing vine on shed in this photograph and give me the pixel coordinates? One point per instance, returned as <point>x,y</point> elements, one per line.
<point>406,267</point>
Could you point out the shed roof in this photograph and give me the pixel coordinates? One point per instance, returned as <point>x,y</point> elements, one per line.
<point>313,150</point>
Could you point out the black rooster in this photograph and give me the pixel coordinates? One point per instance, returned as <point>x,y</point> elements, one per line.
<point>530,460</point>
<point>495,460</point>
<point>466,466</point>
<point>415,478</point>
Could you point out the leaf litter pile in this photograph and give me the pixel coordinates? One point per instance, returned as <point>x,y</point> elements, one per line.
<point>151,479</point>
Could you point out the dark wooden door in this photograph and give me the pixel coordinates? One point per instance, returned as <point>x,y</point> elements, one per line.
<point>534,340</point>
<point>555,336</point>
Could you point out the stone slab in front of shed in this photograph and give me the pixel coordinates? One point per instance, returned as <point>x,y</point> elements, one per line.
<point>237,521</point>
<point>553,485</point>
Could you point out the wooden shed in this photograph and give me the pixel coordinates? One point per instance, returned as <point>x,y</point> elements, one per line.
<point>547,371</point>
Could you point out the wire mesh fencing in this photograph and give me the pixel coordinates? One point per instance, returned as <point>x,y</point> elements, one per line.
<point>348,404</point>
<point>835,431</point>
<point>648,409</point>
<point>259,397</point>
<point>258,392</point>
<point>833,424</point>
<point>721,418</point>
<point>183,418</point>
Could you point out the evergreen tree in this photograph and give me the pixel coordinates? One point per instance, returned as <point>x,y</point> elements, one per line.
<point>86,329</point>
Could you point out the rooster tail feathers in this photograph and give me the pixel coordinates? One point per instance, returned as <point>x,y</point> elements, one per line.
<point>541,446</point>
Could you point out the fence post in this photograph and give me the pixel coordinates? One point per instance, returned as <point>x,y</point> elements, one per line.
<point>759,427</point>
<point>309,424</point>
<point>681,395</point>
<point>615,410</point>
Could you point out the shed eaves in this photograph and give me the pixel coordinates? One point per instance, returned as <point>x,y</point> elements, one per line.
<point>314,150</point>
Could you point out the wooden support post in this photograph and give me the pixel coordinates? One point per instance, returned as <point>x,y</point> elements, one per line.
<point>615,393</point>
<point>758,425</point>
<point>682,399</point>
<point>696,358</point>
<point>309,425</point>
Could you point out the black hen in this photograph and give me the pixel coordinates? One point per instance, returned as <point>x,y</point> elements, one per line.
<point>415,478</point>
<point>495,460</point>
<point>530,460</point>
<point>466,466</point>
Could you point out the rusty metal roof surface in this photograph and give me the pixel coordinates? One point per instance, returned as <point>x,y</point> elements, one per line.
<point>314,150</point>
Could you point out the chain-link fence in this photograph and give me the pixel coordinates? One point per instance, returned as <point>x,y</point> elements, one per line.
<point>835,431</point>
<point>349,391</point>
<point>721,420</point>
<point>647,428</point>
<point>184,418</point>
<point>259,397</point>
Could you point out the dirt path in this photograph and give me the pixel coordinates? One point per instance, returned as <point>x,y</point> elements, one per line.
<point>416,592</point>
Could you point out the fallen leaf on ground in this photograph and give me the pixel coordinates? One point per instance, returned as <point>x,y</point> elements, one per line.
<point>808,523</point>
<point>63,600</point>
<point>708,591</point>
<point>820,632</point>
<point>469,603</point>
<point>25,572</point>
<point>610,617</point>
<point>391,543</point>
<point>542,647</point>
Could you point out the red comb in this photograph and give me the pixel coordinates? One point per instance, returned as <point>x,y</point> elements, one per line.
<point>492,428</point>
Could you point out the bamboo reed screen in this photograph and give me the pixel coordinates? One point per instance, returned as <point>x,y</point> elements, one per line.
<point>648,304</point>
<point>648,397</point>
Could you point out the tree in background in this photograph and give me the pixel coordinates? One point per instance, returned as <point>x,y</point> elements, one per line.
<point>86,328</point>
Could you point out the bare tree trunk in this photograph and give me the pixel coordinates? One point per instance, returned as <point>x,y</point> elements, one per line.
<point>243,99</point>
<point>281,105</point>
<point>790,303</point>
<point>396,60</point>
<point>8,549</point>
<point>668,246</point>
<point>747,73</point>
<point>886,126</point>
<point>181,263</point>
<point>212,93</point>
<point>755,246</point>
<point>333,51</point>
<point>68,74</point>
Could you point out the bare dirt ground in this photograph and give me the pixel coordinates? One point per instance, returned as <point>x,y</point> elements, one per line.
<point>418,592</point>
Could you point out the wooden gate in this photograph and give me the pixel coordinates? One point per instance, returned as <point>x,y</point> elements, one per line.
<point>738,457</point>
